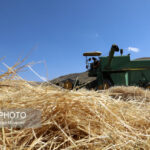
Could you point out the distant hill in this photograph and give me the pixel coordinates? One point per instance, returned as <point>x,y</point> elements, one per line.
<point>143,58</point>
<point>82,77</point>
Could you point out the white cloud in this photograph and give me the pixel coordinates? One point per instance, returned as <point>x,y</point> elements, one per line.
<point>133,49</point>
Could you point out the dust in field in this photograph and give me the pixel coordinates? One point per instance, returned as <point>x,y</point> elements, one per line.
<point>118,118</point>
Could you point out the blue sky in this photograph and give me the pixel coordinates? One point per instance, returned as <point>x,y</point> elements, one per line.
<point>59,31</point>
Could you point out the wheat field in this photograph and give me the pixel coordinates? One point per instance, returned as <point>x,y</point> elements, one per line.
<point>118,118</point>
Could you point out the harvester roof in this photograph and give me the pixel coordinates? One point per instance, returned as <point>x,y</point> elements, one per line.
<point>96,53</point>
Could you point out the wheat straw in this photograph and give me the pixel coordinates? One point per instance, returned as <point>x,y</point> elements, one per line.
<point>118,118</point>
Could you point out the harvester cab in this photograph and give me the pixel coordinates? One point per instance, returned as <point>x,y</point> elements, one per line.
<point>92,59</point>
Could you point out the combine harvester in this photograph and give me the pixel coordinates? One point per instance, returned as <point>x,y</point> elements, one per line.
<point>117,70</point>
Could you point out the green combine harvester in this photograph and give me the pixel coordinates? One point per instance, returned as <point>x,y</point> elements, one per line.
<point>117,70</point>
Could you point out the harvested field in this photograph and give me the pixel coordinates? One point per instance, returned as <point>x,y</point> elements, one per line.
<point>118,118</point>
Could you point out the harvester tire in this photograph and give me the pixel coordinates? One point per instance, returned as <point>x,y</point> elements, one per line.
<point>148,86</point>
<point>106,85</point>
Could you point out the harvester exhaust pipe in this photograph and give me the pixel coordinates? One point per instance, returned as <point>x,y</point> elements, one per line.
<point>121,52</point>
<point>114,48</point>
